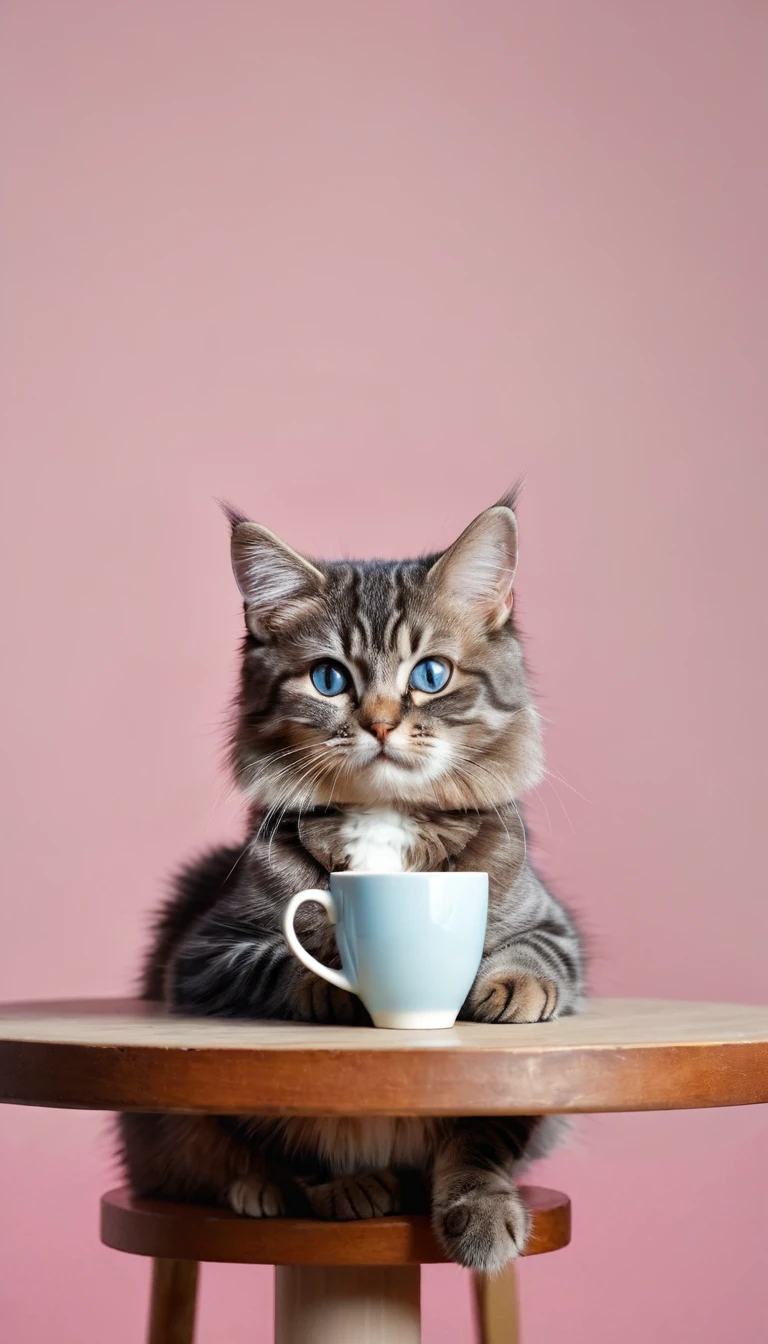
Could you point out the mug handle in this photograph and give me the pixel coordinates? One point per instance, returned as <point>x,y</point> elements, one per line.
<point>337,978</point>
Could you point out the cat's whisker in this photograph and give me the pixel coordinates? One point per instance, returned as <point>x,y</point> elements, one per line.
<point>481,765</point>
<point>522,831</point>
<point>341,765</point>
<point>549,771</point>
<point>274,776</point>
<point>278,807</point>
<point>314,771</point>
<point>283,791</point>
<point>246,846</point>
<point>477,765</point>
<point>224,792</point>
<point>539,795</point>
<point>262,763</point>
<point>564,809</point>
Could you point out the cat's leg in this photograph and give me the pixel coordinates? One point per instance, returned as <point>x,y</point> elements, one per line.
<point>315,1000</point>
<point>364,1194</point>
<point>257,1196</point>
<point>192,1158</point>
<point>523,982</point>
<point>533,965</point>
<point>508,993</point>
<point>477,1212</point>
<point>204,1159</point>
<point>229,965</point>
<point>265,1187</point>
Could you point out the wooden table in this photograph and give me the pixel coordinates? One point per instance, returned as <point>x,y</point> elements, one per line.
<point>620,1055</point>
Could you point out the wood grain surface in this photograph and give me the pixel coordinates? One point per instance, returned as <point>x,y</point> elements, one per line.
<point>619,1055</point>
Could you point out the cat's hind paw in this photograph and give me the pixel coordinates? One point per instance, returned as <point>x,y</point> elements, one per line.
<point>367,1194</point>
<point>256,1197</point>
<point>483,1229</point>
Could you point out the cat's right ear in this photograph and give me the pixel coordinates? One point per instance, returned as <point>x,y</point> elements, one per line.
<point>476,573</point>
<point>279,587</point>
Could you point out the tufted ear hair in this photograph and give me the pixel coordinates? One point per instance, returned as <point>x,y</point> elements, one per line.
<point>279,587</point>
<point>478,570</point>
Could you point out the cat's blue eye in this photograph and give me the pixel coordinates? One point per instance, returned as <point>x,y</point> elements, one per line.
<point>329,678</point>
<point>430,675</point>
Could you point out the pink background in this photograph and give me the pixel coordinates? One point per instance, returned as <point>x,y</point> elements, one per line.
<point>356,266</point>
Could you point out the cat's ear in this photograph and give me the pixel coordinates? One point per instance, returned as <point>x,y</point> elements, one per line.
<point>478,570</point>
<point>279,587</point>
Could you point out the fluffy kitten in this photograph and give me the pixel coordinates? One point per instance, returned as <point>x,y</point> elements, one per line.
<point>383,722</point>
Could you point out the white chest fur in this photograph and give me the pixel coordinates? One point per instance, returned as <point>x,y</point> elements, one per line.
<point>377,840</point>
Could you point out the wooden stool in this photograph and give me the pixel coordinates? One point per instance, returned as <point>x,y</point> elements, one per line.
<point>335,1283</point>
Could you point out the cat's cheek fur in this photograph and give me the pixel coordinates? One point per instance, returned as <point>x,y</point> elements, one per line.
<point>530,751</point>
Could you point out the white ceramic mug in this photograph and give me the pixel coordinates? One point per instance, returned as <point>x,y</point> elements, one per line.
<point>410,943</point>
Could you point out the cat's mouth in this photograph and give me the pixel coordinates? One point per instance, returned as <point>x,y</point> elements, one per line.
<point>385,754</point>
<point>391,756</point>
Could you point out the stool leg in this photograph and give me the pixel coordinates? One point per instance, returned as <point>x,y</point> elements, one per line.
<point>174,1298</point>
<point>361,1304</point>
<point>496,1308</point>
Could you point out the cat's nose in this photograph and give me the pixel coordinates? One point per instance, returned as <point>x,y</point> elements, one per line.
<point>379,715</point>
<point>381,730</point>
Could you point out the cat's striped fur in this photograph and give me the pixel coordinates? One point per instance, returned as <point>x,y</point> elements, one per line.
<point>330,787</point>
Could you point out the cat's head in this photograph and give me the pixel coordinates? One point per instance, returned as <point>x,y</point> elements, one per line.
<point>383,681</point>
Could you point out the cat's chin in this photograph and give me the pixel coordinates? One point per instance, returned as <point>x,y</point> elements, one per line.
<point>397,778</point>
<point>381,781</point>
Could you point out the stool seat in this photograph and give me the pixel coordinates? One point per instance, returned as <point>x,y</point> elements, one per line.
<point>170,1231</point>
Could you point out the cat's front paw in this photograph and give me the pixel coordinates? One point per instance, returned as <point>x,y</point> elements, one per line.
<point>367,1194</point>
<point>482,1228</point>
<point>514,996</point>
<point>256,1197</point>
<point>318,1001</point>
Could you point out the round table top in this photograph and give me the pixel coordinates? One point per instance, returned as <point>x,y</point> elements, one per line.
<point>619,1055</point>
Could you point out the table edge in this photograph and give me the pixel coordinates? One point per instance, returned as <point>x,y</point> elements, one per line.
<point>571,1079</point>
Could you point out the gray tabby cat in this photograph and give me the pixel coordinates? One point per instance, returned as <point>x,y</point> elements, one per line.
<point>383,723</point>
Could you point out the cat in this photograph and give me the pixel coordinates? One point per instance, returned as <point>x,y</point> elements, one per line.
<point>383,722</point>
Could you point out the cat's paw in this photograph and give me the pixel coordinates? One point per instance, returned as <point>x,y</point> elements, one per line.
<point>514,996</point>
<point>256,1197</point>
<point>368,1194</point>
<point>483,1229</point>
<point>317,1001</point>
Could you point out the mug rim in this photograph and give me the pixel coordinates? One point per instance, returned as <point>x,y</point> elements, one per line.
<point>346,872</point>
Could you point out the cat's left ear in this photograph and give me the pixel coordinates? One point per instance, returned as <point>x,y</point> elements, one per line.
<point>478,570</point>
<point>278,586</point>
